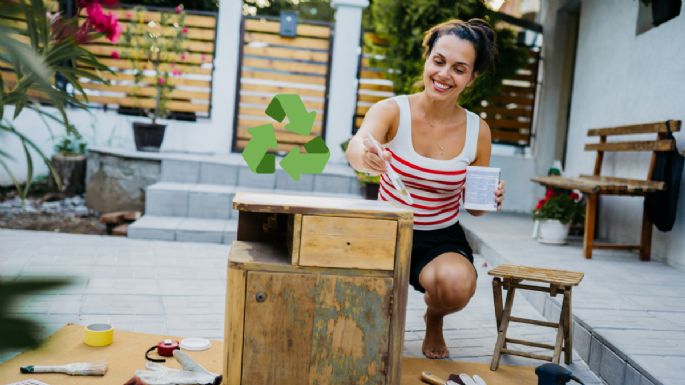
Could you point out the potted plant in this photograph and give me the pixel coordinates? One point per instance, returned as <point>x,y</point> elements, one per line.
<point>554,214</point>
<point>369,184</point>
<point>153,48</point>
<point>40,45</point>
<point>69,161</point>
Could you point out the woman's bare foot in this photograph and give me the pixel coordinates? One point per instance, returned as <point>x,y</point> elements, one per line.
<point>434,345</point>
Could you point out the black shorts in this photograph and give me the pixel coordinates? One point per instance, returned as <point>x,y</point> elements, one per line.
<point>428,244</point>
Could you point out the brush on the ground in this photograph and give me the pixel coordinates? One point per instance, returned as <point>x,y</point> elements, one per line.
<point>73,369</point>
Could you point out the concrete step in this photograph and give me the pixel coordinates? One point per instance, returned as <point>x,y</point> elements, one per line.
<point>172,228</point>
<point>209,201</point>
<point>338,178</point>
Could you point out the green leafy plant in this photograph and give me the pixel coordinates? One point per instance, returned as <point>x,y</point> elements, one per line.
<point>162,50</point>
<point>401,23</point>
<point>363,177</point>
<point>43,46</point>
<point>17,332</point>
<point>562,205</point>
<point>71,144</point>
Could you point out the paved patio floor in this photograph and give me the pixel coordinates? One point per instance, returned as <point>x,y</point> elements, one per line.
<point>179,289</point>
<point>630,315</point>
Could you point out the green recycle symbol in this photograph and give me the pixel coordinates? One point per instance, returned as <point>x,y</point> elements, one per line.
<point>300,121</point>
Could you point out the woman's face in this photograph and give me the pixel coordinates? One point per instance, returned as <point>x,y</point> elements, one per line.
<point>449,67</point>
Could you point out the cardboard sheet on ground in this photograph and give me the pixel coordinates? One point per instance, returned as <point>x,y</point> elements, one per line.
<point>126,355</point>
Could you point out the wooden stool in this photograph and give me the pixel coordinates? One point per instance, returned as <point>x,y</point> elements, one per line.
<point>509,277</point>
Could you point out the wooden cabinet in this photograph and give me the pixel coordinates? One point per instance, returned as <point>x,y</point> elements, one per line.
<point>317,291</point>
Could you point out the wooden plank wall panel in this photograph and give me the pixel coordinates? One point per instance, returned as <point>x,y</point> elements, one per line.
<point>193,85</point>
<point>374,84</point>
<point>510,113</point>
<point>272,64</point>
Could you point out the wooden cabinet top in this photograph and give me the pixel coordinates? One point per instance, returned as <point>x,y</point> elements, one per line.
<point>317,205</point>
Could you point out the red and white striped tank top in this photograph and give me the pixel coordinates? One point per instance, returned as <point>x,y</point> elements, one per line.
<point>435,185</point>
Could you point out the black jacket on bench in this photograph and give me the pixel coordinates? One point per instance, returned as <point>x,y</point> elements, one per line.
<point>661,206</point>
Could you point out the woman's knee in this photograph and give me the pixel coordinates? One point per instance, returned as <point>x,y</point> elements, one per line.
<point>450,283</point>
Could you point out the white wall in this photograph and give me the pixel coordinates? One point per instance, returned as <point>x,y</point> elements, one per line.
<point>621,78</point>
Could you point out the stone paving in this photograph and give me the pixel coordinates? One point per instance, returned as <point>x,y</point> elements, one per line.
<point>630,315</point>
<point>178,288</point>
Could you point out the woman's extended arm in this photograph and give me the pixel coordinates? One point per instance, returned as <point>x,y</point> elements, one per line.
<point>377,122</point>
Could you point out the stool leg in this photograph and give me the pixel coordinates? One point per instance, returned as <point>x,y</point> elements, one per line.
<point>568,328</point>
<point>561,331</point>
<point>497,296</point>
<point>502,328</point>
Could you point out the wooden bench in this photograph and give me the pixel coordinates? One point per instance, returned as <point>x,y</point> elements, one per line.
<point>596,184</point>
<point>509,278</point>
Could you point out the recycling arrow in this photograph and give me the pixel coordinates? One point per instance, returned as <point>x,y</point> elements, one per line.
<point>312,161</point>
<point>299,120</point>
<point>255,153</point>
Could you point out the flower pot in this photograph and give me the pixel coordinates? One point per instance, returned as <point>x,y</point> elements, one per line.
<point>552,231</point>
<point>148,136</point>
<point>72,172</point>
<point>370,190</point>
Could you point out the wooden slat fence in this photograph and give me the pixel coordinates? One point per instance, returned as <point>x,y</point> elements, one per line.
<point>270,65</point>
<point>191,96</point>
<point>374,84</point>
<point>510,113</point>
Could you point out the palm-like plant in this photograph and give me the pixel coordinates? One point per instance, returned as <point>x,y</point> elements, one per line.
<point>38,47</point>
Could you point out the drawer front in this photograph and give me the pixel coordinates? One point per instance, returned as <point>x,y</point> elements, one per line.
<point>356,243</point>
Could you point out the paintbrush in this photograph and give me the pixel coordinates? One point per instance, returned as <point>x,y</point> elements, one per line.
<point>73,369</point>
<point>395,178</point>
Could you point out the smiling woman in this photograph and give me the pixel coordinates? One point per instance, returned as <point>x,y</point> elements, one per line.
<point>429,141</point>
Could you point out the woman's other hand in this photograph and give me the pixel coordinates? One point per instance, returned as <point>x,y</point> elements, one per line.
<point>499,195</point>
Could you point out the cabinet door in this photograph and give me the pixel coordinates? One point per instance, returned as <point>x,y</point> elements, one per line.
<point>316,329</point>
<point>350,338</point>
<point>279,309</point>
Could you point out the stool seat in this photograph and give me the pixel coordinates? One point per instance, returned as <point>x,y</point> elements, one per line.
<point>551,281</point>
<point>537,274</point>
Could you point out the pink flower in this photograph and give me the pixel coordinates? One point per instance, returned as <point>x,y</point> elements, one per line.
<point>106,24</point>
<point>179,8</point>
<point>176,73</point>
<point>185,30</point>
<point>115,55</point>
<point>129,15</point>
<point>203,57</point>
<point>160,81</point>
<point>183,56</point>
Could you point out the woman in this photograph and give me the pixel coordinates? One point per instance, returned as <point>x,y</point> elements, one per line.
<point>429,140</point>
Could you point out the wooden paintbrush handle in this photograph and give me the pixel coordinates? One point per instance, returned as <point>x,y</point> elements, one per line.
<point>431,378</point>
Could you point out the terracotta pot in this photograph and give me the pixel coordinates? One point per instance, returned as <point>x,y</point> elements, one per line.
<point>552,231</point>
<point>148,136</point>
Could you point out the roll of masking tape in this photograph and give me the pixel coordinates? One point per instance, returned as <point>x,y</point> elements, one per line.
<point>98,335</point>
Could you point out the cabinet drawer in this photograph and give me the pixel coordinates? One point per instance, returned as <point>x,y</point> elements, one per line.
<point>358,243</point>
